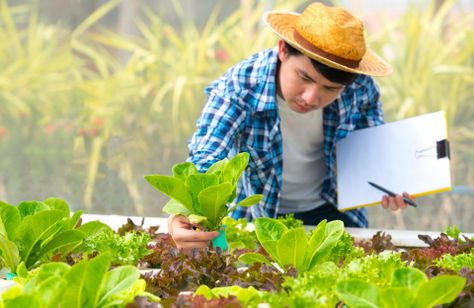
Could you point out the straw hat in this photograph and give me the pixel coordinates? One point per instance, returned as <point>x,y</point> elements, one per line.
<point>329,35</point>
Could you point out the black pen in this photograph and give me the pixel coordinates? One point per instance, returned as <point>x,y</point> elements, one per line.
<point>392,194</point>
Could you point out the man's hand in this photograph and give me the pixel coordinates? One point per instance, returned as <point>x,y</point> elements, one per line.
<point>186,237</point>
<point>395,203</point>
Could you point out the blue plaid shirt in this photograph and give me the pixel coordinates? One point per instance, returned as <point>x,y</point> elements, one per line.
<point>241,115</point>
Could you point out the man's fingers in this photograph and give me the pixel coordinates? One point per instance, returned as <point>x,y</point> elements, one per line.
<point>186,235</point>
<point>385,202</point>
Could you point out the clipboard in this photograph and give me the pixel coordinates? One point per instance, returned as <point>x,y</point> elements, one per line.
<point>411,155</point>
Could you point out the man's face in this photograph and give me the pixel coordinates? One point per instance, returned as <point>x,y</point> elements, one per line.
<point>302,87</point>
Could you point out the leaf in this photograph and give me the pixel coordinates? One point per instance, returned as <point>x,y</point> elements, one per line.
<point>117,280</point>
<point>334,231</point>
<point>249,201</point>
<point>232,171</point>
<point>213,202</point>
<point>57,204</point>
<point>358,293</point>
<point>253,257</point>
<point>315,240</point>
<point>183,170</point>
<point>93,227</point>
<point>10,254</point>
<point>9,220</point>
<point>291,249</point>
<point>36,229</point>
<point>217,167</point>
<point>87,277</point>
<point>197,183</point>
<point>173,207</point>
<point>22,300</point>
<point>439,290</point>
<point>397,297</point>
<point>172,187</point>
<point>269,229</point>
<point>268,232</point>
<point>196,219</point>
<point>408,277</point>
<point>27,208</point>
<point>68,237</point>
<point>75,218</point>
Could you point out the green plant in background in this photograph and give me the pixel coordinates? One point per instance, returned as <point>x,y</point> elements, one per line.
<point>431,49</point>
<point>204,197</point>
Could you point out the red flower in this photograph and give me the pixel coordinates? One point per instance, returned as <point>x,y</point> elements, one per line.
<point>3,132</point>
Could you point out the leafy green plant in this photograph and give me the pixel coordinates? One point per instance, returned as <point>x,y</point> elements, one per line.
<point>88,283</point>
<point>204,197</point>
<point>293,247</point>
<point>34,230</point>
<point>409,288</point>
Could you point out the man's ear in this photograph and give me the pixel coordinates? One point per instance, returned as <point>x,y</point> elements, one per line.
<point>282,51</point>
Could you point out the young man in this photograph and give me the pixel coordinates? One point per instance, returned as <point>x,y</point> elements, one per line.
<point>287,107</point>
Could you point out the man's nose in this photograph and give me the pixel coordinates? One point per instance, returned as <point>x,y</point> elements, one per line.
<point>311,96</point>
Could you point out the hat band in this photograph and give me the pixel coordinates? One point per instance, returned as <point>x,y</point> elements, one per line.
<point>307,45</point>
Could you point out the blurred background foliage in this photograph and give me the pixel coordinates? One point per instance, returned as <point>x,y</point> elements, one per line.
<point>89,105</point>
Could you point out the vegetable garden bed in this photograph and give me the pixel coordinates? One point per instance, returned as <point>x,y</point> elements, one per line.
<point>275,263</point>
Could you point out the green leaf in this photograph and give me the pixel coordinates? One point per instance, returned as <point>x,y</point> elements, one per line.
<point>9,220</point>
<point>49,290</point>
<point>27,208</point>
<point>357,293</point>
<point>439,290</point>
<point>93,227</point>
<point>253,257</point>
<point>408,277</point>
<point>183,170</point>
<point>268,229</point>
<point>10,254</point>
<point>68,237</point>
<point>87,277</point>
<point>173,207</point>
<point>268,232</point>
<point>197,219</point>
<point>249,201</point>
<point>38,229</point>
<point>397,297</point>
<point>291,249</point>
<point>23,300</point>
<point>117,280</point>
<point>172,187</point>
<point>96,273</point>
<point>217,167</point>
<point>213,202</point>
<point>75,219</point>
<point>197,183</point>
<point>58,204</point>
<point>317,237</point>
<point>334,231</point>
<point>232,171</point>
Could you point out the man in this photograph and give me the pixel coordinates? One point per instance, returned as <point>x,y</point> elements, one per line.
<point>287,107</point>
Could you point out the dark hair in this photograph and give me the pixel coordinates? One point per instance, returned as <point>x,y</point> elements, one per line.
<point>331,74</point>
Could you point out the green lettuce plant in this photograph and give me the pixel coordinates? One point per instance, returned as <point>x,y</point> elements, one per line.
<point>32,231</point>
<point>293,247</point>
<point>88,283</point>
<point>409,288</point>
<point>204,197</point>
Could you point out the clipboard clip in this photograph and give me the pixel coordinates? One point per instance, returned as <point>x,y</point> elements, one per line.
<point>442,150</point>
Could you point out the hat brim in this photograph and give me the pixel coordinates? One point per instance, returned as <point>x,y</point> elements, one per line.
<point>283,24</point>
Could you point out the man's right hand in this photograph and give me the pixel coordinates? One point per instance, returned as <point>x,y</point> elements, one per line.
<point>186,237</point>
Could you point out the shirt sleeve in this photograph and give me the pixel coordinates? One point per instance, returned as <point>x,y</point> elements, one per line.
<point>220,123</point>
<point>370,108</point>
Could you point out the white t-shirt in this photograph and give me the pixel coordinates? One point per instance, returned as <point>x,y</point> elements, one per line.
<point>303,159</point>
